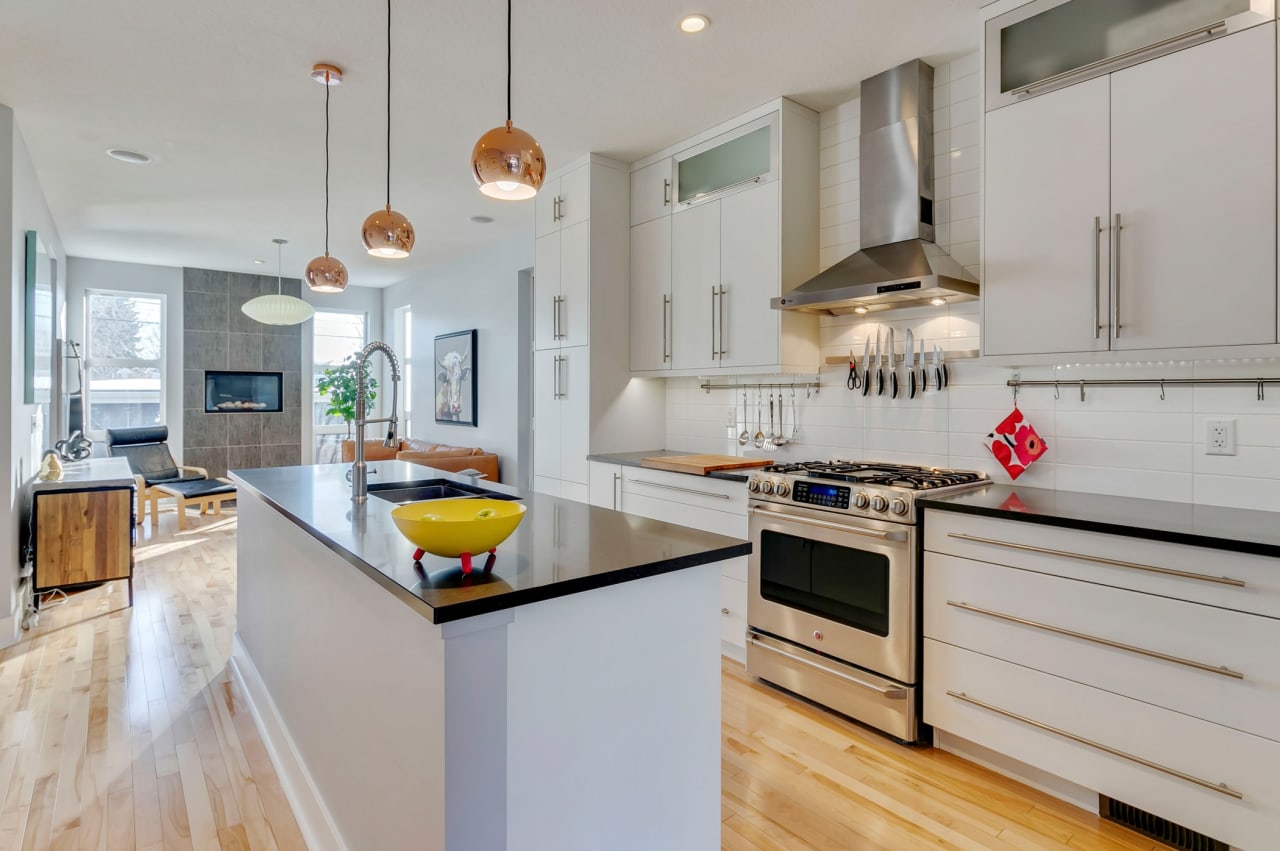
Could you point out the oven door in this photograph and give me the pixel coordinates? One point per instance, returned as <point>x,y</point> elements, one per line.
<point>841,586</point>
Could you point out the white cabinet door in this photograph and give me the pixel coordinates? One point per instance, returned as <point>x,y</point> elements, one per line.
<point>575,284</point>
<point>651,192</point>
<point>546,209</point>
<point>606,485</point>
<point>546,291</point>
<point>575,414</point>
<point>1046,270</point>
<point>651,294</point>
<point>547,378</point>
<point>1193,164</point>
<point>747,328</point>
<point>575,197</point>
<point>695,278</point>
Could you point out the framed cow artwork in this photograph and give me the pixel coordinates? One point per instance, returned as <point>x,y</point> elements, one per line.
<point>455,365</point>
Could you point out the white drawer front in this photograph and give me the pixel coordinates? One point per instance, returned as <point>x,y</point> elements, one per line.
<point>1022,616</point>
<point>1197,749</point>
<point>715,494</point>
<point>735,568</point>
<point>1230,580</point>
<point>733,612</point>
<point>658,508</point>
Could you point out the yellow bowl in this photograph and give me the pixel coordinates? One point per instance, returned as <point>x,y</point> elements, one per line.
<point>451,527</point>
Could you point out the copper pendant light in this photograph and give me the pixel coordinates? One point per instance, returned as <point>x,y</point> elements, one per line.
<point>507,162</point>
<point>387,233</point>
<point>326,274</point>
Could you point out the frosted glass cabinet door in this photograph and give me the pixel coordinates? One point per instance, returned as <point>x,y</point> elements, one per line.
<point>546,413</point>
<point>650,292</point>
<point>1045,272</point>
<point>1193,164</point>
<point>695,275</point>
<point>747,327</point>
<point>546,291</point>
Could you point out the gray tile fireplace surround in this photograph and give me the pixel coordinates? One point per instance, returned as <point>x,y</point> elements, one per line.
<point>217,335</point>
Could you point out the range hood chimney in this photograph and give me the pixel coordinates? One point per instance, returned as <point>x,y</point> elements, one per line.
<point>899,264</point>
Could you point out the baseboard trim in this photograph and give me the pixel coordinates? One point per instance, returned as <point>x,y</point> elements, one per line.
<point>1039,779</point>
<point>309,810</point>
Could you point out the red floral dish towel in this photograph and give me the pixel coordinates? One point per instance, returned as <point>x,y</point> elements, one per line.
<point>1015,444</point>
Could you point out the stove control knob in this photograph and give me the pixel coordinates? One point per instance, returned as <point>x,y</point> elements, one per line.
<point>879,503</point>
<point>782,489</point>
<point>754,486</point>
<point>898,507</point>
<point>861,501</point>
<point>766,487</point>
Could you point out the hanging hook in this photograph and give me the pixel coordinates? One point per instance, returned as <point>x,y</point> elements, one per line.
<point>1082,390</point>
<point>1056,394</point>
<point>1015,384</point>
<point>1262,394</point>
<point>1162,390</point>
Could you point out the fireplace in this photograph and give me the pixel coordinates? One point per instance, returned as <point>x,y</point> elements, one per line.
<point>243,392</point>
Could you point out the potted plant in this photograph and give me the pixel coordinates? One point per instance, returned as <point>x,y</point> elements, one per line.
<point>340,383</point>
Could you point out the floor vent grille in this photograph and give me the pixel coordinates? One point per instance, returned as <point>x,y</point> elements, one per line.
<point>1162,830</point>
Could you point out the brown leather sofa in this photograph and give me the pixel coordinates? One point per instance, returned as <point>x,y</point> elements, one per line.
<point>454,459</point>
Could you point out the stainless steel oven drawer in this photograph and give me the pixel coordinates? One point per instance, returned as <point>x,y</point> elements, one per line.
<point>884,704</point>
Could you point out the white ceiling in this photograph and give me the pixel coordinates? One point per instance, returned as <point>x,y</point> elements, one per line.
<point>219,93</point>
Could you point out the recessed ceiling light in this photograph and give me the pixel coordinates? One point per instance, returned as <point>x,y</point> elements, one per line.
<point>257,261</point>
<point>937,302</point>
<point>860,310</point>
<point>482,220</point>
<point>694,23</point>
<point>133,157</point>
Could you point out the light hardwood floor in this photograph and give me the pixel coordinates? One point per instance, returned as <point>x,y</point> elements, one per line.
<point>122,729</point>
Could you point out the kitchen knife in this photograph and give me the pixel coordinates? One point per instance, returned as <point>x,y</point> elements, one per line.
<point>866,364</point>
<point>942,362</point>
<point>921,371</point>
<point>879,364</point>
<point>939,369</point>
<point>893,369</point>
<point>908,354</point>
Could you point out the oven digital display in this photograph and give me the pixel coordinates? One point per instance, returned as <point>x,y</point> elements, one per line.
<point>827,496</point>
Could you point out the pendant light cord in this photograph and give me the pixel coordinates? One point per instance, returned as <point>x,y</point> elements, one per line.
<point>388,104</point>
<point>279,268</point>
<point>508,61</point>
<point>327,87</point>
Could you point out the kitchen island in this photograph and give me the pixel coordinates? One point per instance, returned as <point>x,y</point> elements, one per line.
<point>567,697</point>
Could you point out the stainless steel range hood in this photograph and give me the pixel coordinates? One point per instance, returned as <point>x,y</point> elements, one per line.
<point>899,264</point>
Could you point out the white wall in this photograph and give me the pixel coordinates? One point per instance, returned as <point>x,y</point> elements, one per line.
<point>22,208</point>
<point>1120,440</point>
<point>86,274</point>
<point>479,291</point>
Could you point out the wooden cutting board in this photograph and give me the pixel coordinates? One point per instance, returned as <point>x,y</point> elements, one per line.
<point>700,465</point>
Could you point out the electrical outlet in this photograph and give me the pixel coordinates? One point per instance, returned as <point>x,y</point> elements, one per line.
<point>1220,437</point>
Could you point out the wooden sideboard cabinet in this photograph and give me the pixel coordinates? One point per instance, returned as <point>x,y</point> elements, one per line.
<point>82,529</point>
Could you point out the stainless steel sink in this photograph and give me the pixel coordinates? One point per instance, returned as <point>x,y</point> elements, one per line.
<point>402,492</point>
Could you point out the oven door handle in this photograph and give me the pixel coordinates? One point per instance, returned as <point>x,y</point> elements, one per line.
<point>891,693</point>
<point>838,527</point>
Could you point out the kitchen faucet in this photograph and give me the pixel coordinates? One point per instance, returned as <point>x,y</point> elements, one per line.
<point>359,470</point>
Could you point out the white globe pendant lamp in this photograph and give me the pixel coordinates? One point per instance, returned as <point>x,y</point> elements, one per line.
<point>278,308</point>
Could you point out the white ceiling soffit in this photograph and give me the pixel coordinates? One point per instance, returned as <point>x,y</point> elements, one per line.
<point>219,94</point>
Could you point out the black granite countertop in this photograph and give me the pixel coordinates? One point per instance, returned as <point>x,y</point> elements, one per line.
<point>562,547</point>
<point>1235,529</point>
<point>633,459</point>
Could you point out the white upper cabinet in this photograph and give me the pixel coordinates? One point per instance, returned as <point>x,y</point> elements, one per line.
<point>1044,282</point>
<point>742,230</point>
<point>562,202</point>
<point>1136,210</point>
<point>1193,185</point>
<point>651,192</point>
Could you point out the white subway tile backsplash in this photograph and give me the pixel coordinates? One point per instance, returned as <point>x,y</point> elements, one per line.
<point>963,136</point>
<point>1143,484</point>
<point>965,88</point>
<point>962,67</point>
<point>965,182</point>
<point>963,112</point>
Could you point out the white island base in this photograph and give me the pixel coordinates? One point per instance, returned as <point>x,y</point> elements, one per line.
<point>587,721</point>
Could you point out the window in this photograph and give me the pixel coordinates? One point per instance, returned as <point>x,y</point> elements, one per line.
<point>337,336</point>
<point>404,348</point>
<point>124,361</point>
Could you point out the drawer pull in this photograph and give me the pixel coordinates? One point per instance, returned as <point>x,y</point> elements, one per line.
<point>822,524</point>
<point>1220,788</point>
<point>724,611</point>
<point>1199,666</point>
<point>682,490</point>
<point>1166,571</point>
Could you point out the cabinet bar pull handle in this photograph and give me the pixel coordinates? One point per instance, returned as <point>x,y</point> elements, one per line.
<point>891,693</point>
<point>555,317</point>
<point>564,335</point>
<point>715,351</point>
<point>724,611</point>
<point>666,345</point>
<point>1097,279</point>
<point>1220,788</point>
<point>555,377</point>
<point>723,350</point>
<point>616,479</point>
<point>1106,642</point>
<point>564,385</point>
<point>666,192</point>
<point>822,524</point>
<point>682,490</point>
<point>1164,571</point>
<point>1085,70</point>
<point>1115,273</point>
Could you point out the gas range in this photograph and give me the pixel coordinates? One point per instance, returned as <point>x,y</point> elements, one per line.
<point>859,489</point>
